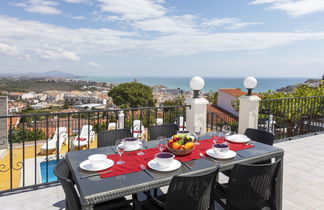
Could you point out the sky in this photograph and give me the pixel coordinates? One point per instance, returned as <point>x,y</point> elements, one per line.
<point>216,38</point>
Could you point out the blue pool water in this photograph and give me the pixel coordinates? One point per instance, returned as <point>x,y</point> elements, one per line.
<point>43,168</point>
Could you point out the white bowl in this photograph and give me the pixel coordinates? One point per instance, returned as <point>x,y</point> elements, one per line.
<point>221,149</point>
<point>97,160</point>
<point>164,159</point>
<point>130,142</point>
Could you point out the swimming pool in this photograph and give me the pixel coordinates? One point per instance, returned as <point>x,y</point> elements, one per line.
<point>43,168</point>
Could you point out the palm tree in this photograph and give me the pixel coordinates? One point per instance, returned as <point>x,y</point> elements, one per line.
<point>212,97</point>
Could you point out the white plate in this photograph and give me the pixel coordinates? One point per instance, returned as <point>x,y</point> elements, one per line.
<point>129,149</point>
<point>238,138</point>
<point>155,166</point>
<point>86,165</point>
<point>228,155</point>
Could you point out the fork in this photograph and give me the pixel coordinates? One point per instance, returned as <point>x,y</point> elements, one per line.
<point>142,166</point>
<point>207,158</point>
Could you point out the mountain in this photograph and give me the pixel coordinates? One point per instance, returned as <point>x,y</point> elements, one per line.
<point>48,74</point>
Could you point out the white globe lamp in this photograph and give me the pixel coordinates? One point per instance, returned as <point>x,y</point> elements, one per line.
<point>196,83</point>
<point>250,83</point>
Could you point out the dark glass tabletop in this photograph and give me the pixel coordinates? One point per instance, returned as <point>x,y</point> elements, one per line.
<point>97,189</point>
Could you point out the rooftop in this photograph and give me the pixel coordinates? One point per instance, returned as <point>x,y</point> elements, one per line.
<point>234,92</point>
<point>303,180</point>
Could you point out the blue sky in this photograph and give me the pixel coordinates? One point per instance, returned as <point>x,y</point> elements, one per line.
<point>218,38</point>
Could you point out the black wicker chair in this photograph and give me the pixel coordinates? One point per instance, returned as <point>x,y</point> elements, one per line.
<point>257,135</point>
<point>185,193</point>
<point>250,187</point>
<point>109,138</point>
<point>261,136</point>
<point>72,200</point>
<point>162,130</point>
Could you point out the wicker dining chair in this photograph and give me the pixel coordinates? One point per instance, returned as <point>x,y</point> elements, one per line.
<point>109,138</point>
<point>261,136</point>
<point>185,193</point>
<point>257,135</point>
<point>162,130</point>
<point>250,187</point>
<point>72,200</point>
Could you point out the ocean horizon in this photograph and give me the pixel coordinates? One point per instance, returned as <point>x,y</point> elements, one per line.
<point>211,83</point>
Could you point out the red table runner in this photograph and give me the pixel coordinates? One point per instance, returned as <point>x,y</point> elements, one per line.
<point>133,161</point>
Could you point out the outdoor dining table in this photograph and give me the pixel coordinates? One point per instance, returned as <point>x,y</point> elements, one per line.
<point>95,189</point>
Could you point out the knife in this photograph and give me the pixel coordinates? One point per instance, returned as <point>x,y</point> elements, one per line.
<point>186,165</point>
<point>96,174</point>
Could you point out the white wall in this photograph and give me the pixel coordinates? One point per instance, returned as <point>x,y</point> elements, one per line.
<point>225,102</point>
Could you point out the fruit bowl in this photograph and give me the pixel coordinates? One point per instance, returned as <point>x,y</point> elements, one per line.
<point>181,145</point>
<point>181,152</point>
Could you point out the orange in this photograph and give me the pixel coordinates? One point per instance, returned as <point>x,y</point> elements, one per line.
<point>189,145</point>
<point>176,145</point>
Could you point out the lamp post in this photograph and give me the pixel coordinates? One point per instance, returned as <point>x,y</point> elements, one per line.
<point>250,83</point>
<point>196,83</point>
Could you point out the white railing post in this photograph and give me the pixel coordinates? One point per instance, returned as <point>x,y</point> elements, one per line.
<point>121,117</point>
<point>249,113</point>
<point>196,115</point>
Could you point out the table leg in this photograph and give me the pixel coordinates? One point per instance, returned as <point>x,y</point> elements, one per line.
<point>279,188</point>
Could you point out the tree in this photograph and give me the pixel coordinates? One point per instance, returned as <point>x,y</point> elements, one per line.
<point>19,135</point>
<point>132,94</point>
<point>212,97</point>
<point>292,113</point>
<point>178,101</point>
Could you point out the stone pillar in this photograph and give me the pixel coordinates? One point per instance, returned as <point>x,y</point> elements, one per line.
<point>4,122</point>
<point>121,117</point>
<point>196,115</point>
<point>249,113</point>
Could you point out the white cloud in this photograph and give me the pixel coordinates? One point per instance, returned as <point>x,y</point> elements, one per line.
<point>76,17</point>
<point>40,6</point>
<point>76,1</point>
<point>133,9</point>
<point>94,65</point>
<point>59,55</point>
<point>8,50</point>
<point>45,41</point>
<point>172,24</point>
<point>228,23</point>
<point>217,42</point>
<point>294,8</point>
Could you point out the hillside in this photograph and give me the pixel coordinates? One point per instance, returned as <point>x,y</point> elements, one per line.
<point>48,74</point>
<point>36,85</point>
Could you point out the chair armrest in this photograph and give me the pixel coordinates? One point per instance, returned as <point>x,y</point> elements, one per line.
<point>125,203</point>
<point>220,193</point>
<point>154,199</point>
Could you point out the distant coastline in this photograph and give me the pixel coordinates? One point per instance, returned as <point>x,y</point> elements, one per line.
<point>211,83</point>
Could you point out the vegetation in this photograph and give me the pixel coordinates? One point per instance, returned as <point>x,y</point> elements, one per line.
<point>132,95</point>
<point>212,97</point>
<point>178,101</point>
<point>19,135</point>
<point>292,113</point>
<point>38,85</point>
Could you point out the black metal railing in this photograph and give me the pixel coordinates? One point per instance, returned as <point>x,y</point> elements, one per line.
<point>289,117</point>
<point>37,141</point>
<point>215,121</point>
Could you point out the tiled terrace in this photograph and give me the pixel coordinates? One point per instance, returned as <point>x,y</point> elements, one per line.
<point>303,181</point>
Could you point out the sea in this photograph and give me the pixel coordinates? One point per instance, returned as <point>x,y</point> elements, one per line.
<point>211,83</point>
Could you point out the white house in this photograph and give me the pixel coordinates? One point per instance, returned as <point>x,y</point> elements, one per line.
<point>226,96</point>
<point>29,95</point>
